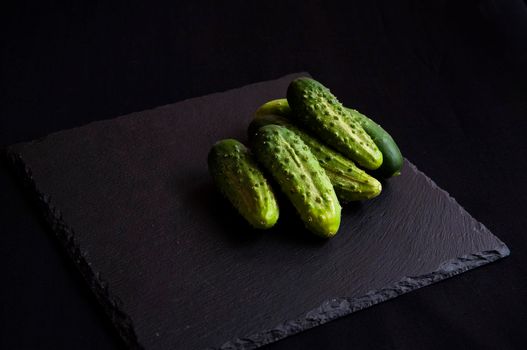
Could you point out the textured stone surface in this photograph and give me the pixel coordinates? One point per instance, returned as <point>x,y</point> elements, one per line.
<point>175,267</point>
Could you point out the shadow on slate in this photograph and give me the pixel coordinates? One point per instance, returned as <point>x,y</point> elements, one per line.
<point>176,268</point>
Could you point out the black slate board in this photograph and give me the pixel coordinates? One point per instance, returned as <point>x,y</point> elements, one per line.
<point>176,268</point>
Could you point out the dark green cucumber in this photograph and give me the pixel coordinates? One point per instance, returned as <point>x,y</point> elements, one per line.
<point>392,157</point>
<point>238,177</point>
<point>300,176</point>
<point>349,181</point>
<point>316,108</point>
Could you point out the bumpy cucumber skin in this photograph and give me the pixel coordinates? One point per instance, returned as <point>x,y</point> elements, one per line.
<point>316,108</point>
<point>300,176</point>
<point>349,181</point>
<point>392,157</point>
<point>238,177</point>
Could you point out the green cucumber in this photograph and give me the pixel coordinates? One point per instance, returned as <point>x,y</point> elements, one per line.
<point>238,177</point>
<point>349,181</point>
<point>274,107</point>
<point>392,157</point>
<point>316,108</point>
<point>300,176</point>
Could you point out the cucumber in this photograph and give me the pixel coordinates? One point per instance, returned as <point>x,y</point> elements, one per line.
<point>392,157</point>
<point>317,109</point>
<point>300,176</point>
<point>274,107</point>
<point>274,112</point>
<point>349,181</point>
<point>238,177</point>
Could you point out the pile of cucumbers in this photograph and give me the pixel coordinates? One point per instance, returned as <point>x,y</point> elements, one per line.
<point>319,153</point>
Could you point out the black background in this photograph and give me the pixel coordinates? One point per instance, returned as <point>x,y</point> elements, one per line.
<point>448,79</point>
